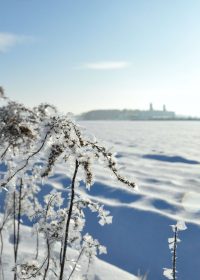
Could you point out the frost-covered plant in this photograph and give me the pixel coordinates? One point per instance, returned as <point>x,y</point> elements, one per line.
<point>33,142</point>
<point>28,270</point>
<point>171,273</point>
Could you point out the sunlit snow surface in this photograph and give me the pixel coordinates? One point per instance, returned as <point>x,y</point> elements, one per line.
<point>163,158</point>
<point>99,270</point>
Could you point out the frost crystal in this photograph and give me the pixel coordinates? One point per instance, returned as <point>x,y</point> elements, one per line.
<point>173,242</point>
<point>168,273</point>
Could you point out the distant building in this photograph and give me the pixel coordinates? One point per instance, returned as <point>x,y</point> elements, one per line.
<point>157,114</point>
<point>150,114</point>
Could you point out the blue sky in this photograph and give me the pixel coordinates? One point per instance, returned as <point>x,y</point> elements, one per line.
<point>91,54</point>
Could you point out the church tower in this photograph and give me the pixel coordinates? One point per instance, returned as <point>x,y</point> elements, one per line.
<point>151,107</point>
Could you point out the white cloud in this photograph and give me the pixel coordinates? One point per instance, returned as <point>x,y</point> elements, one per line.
<point>106,65</point>
<point>8,40</point>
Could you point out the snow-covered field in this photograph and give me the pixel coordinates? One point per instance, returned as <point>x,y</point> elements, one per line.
<point>163,158</point>
<point>100,270</point>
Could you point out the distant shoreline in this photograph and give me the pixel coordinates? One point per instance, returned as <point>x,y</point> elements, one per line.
<point>139,120</point>
<point>134,115</point>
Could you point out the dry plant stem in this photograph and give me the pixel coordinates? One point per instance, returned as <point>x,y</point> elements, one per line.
<point>174,254</point>
<point>19,217</point>
<point>111,164</point>
<point>47,240</point>
<point>61,250</point>
<point>29,157</point>
<point>14,232</point>
<point>1,253</point>
<point>79,256</point>
<point>4,153</point>
<point>37,237</point>
<point>88,267</point>
<point>37,245</point>
<point>5,218</point>
<point>2,244</point>
<point>68,221</point>
<point>48,259</point>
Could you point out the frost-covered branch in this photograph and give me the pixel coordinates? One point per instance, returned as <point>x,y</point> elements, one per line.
<point>65,243</point>
<point>33,143</point>
<point>171,273</point>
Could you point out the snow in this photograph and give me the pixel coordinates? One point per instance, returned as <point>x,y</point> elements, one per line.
<point>168,273</point>
<point>168,191</point>
<point>180,225</point>
<point>100,270</point>
<point>158,177</point>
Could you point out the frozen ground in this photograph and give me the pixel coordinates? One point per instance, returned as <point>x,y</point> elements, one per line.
<point>164,160</point>
<point>100,270</point>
